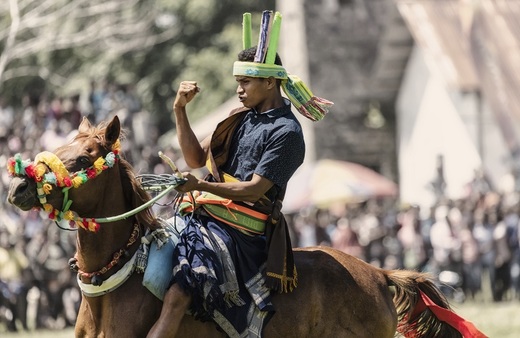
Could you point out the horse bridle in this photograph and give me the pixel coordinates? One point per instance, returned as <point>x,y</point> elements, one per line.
<point>60,177</point>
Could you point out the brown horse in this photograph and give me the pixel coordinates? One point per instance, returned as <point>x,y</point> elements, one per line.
<point>337,295</point>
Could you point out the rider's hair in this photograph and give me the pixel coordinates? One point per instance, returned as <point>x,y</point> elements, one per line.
<point>248,55</point>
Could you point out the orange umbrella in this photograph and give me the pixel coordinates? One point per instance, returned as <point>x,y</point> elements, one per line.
<point>331,181</point>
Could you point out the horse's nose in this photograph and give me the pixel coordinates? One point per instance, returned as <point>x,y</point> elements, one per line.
<point>20,194</point>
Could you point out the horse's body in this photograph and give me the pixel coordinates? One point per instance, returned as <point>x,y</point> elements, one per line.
<point>337,295</point>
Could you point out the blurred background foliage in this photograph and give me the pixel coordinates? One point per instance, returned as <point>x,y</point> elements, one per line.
<point>59,47</point>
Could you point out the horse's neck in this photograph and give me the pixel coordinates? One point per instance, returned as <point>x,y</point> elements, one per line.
<point>96,250</point>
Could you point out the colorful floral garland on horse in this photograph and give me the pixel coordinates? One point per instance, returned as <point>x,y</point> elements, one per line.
<point>60,177</point>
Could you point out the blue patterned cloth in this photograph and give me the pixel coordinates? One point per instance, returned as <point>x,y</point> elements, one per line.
<point>221,268</point>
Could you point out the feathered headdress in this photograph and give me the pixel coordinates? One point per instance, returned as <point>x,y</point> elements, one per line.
<point>310,106</point>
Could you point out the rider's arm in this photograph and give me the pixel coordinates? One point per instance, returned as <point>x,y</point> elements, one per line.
<point>194,153</point>
<point>249,191</point>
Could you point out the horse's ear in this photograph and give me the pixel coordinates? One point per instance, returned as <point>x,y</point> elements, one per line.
<point>113,130</point>
<point>84,125</point>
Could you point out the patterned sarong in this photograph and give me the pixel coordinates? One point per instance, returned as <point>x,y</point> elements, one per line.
<point>221,268</point>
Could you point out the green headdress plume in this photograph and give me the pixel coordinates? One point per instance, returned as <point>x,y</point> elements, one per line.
<point>310,106</point>
<point>246,31</point>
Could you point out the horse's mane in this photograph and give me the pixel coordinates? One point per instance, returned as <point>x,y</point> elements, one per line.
<point>134,193</point>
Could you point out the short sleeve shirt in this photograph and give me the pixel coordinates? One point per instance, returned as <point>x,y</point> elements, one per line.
<point>268,144</point>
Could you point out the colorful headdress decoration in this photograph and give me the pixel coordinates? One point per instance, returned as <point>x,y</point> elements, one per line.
<point>310,106</point>
<point>60,177</point>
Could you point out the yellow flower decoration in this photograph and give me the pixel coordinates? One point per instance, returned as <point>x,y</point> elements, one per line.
<point>68,215</point>
<point>80,224</point>
<point>92,226</point>
<point>47,188</point>
<point>48,208</point>
<point>116,146</point>
<point>39,170</point>
<point>58,168</point>
<point>98,165</point>
<point>77,181</point>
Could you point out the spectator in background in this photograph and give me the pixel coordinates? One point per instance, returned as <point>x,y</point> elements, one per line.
<point>471,269</point>
<point>13,278</point>
<point>483,233</point>
<point>324,227</point>
<point>512,221</point>
<point>96,97</point>
<point>443,240</point>
<point>72,112</point>
<point>410,236</point>
<point>345,239</point>
<point>54,111</point>
<point>502,281</point>
<point>371,232</point>
<point>305,228</point>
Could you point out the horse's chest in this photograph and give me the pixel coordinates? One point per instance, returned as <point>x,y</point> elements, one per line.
<point>129,311</point>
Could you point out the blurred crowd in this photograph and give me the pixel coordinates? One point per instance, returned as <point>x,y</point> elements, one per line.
<point>37,289</point>
<point>473,242</point>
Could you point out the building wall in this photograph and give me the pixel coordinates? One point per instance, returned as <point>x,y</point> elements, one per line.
<point>435,121</point>
<point>425,120</point>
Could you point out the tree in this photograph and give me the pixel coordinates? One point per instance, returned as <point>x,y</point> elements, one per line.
<point>53,46</point>
<point>32,29</point>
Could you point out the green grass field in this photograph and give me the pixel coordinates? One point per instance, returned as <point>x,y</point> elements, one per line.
<point>496,320</point>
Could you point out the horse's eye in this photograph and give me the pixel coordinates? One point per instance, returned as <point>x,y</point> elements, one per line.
<point>83,161</point>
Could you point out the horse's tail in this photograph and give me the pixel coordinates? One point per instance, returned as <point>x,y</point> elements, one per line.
<point>423,311</point>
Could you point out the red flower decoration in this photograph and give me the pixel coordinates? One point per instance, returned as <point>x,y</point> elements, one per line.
<point>67,181</point>
<point>91,173</point>
<point>29,170</point>
<point>10,165</point>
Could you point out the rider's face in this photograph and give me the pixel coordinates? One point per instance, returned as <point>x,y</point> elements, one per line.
<point>251,91</point>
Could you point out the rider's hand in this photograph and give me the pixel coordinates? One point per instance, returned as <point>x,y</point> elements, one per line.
<point>190,184</point>
<point>187,91</point>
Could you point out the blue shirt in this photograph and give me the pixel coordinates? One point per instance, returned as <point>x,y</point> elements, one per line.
<point>268,144</point>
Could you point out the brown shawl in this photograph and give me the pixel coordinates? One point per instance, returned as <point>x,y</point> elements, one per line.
<point>281,272</point>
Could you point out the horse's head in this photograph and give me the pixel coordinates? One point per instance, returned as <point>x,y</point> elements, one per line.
<point>32,182</point>
<point>90,144</point>
<point>84,176</point>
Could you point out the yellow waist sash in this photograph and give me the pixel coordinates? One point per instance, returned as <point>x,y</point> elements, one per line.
<point>227,211</point>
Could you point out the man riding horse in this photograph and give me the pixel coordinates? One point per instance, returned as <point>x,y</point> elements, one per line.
<point>236,246</point>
